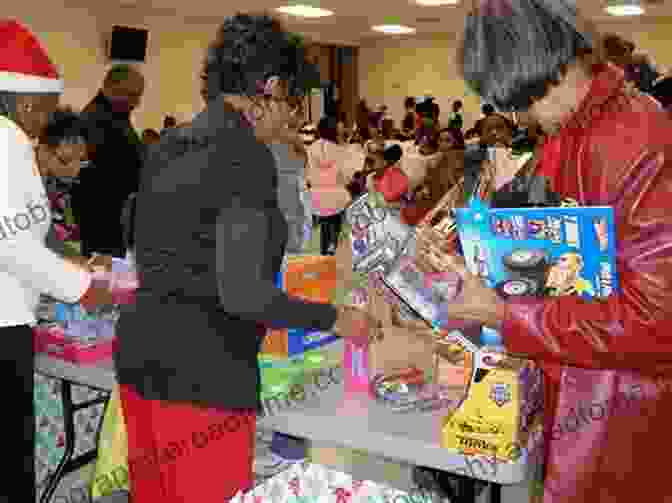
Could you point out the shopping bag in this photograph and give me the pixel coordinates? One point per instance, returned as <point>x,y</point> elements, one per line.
<point>111,472</point>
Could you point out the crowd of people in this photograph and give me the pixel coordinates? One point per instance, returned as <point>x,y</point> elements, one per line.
<point>210,207</point>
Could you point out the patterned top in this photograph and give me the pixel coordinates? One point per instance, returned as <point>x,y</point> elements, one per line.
<point>59,193</point>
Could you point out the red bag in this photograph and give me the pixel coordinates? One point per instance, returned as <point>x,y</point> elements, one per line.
<point>393,184</point>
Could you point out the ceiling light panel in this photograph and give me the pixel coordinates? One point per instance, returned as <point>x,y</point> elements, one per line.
<point>436,3</point>
<point>307,11</point>
<point>624,8</point>
<point>394,29</point>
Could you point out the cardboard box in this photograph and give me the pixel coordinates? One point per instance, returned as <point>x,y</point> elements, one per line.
<point>504,399</point>
<point>310,277</point>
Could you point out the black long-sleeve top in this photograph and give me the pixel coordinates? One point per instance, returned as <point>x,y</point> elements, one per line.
<point>209,240</point>
<point>117,155</point>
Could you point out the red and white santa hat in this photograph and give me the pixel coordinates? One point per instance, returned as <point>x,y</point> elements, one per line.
<point>25,66</point>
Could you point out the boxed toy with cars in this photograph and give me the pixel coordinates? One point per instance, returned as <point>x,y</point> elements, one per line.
<point>541,251</point>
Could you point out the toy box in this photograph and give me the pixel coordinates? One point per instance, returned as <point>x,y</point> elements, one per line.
<point>503,401</point>
<point>311,277</point>
<point>378,236</point>
<point>541,251</point>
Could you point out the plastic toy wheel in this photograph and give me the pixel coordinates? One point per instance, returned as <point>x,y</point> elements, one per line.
<point>522,260</point>
<point>517,287</point>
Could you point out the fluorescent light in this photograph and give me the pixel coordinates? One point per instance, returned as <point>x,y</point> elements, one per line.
<point>304,11</point>
<point>393,29</point>
<point>436,3</point>
<point>625,9</point>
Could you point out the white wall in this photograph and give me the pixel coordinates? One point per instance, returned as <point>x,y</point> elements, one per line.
<point>390,71</point>
<point>74,38</point>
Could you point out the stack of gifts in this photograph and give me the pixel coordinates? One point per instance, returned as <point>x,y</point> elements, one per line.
<point>69,332</point>
<point>291,358</point>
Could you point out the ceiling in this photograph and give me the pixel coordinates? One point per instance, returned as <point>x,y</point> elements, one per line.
<point>353,19</point>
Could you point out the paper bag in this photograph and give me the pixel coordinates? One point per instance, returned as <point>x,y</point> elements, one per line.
<point>379,307</point>
<point>396,349</point>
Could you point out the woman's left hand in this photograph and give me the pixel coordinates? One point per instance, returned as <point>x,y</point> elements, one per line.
<point>475,302</point>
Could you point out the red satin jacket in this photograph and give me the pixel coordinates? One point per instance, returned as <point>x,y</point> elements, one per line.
<point>609,363</point>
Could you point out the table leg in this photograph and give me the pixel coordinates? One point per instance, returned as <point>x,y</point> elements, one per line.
<point>466,490</point>
<point>68,464</point>
<point>495,493</point>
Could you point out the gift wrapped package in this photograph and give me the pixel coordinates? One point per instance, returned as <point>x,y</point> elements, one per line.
<point>310,277</point>
<point>312,483</point>
<point>504,399</point>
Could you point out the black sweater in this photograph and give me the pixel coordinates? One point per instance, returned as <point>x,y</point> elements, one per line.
<point>209,240</point>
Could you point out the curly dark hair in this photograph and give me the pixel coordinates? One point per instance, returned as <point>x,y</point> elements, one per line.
<point>248,50</point>
<point>65,127</point>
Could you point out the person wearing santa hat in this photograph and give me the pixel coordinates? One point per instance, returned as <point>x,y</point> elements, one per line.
<point>29,92</point>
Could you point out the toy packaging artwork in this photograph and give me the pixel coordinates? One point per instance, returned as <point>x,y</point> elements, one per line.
<point>541,251</point>
<point>310,277</point>
<point>378,235</point>
<point>427,295</point>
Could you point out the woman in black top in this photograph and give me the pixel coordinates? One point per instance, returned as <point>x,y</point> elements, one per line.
<point>209,240</point>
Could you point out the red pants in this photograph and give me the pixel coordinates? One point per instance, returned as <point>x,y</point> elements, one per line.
<point>181,453</point>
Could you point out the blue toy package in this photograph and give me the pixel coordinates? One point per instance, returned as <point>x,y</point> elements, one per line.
<point>541,251</point>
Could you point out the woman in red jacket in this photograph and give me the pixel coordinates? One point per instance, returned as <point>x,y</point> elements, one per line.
<point>608,363</point>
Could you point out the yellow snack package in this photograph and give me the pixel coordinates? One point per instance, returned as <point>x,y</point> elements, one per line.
<point>504,399</point>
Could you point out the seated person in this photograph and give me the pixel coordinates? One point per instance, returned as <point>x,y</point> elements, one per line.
<point>476,131</point>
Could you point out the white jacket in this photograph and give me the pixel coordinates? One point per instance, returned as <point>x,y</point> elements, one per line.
<point>27,267</point>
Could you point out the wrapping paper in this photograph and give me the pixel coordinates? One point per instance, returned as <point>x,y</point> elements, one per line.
<point>311,483</point>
